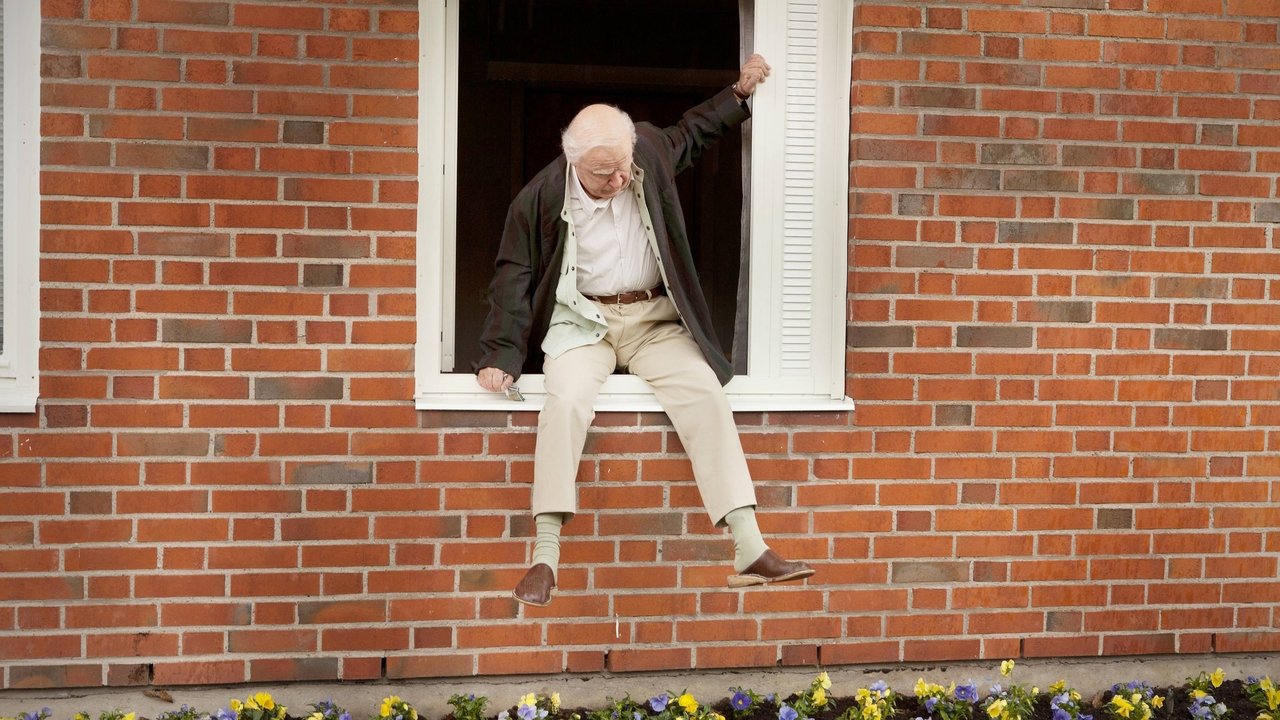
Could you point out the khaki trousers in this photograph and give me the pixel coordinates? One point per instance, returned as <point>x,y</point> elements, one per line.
<point>647,339</point>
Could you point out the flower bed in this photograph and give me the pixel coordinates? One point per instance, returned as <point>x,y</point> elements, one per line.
<point>1208,696</point>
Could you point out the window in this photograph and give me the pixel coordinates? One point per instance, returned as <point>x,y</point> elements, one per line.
<point>20,210</point>
<point>791,355</point>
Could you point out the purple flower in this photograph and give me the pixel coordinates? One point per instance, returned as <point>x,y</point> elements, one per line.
<point>659,703</point>
<point>967,693</point>
<point>225,714</point>
<point>1060,714</point>
<point>879,686</point>
<point>527,712</point>
<point>996,689</point>
<point>930,703</point>
<point>740,701</point>
<point>787,713</point>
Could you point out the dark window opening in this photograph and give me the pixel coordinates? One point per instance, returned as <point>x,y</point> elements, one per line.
<point>527,66</point>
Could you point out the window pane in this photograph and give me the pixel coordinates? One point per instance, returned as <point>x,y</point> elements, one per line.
<point>526,68</point>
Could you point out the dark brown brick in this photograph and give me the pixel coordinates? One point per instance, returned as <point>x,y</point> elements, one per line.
<point>1062,181</point>
<point>943,97</point>
<point>206,331</point>
<point>1190,339</point>
<point>303,132</point>
<point>882,336</point>
<point>322,276</point>
<point>962,178</point>
<point>927,572</point>
<point>1063,621</point>
<point>185,244</point>
<point>993,336</point>
<point>1267,212</point>
<point>350,473</point>
<point>326,246</point>
<point>1159,184</point>
<point>166,157</point>
<point>1072,311</point>
<point>915,205</point>
<point>187,12</point>
<point>924,256</point>
<point>1115,519</point>
<point>1098,156</point>
<point>297,388</point>
<point>1059,233</point>
<point>54,676</point>
<point>293,669</point>
<point>1193,287</point>
<point>950,415</point>
<point>1018,154</point>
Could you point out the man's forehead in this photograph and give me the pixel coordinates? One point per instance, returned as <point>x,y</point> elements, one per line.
<point>608,159</point>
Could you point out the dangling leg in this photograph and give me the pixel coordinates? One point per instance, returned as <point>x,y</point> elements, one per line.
<point>670,361</point>
<point>572,381</point>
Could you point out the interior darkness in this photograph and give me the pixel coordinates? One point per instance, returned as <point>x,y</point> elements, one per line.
<point>525,69</point>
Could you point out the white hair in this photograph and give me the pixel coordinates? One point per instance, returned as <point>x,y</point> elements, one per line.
<point>597,126</point>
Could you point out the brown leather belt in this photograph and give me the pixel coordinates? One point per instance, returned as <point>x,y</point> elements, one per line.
<point>627,298</point>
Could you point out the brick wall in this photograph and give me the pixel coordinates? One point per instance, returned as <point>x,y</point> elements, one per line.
<point>1064,345</point>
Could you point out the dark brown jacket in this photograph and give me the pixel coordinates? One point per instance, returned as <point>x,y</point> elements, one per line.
<point>527,268</point>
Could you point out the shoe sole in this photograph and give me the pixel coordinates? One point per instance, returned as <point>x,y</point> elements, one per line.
<point>741,581</point>
<point>530,603</point>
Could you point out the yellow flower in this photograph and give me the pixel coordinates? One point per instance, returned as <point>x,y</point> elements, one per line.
<point>1123,707</point>
<point>316,716</point>
<point>996,708</point>
<point>1158,701</point>
<point>1217,677</point>
<point>530,700</point>
<point>1197,693</point>
<point>1006,667</point>
<point>1058,687</point>
<point>555,701</point>
<point>387,703</point>
<point>130,716</point>
<point>824,680</point>
<point>819,697</point>
<point>687,702</point>
<point>871,712</point>
<point>1273,699</point>
<point>235,707</point>
<point>921,687</point>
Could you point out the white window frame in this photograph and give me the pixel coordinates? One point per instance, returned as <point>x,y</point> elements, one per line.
<point>19,357</point>
<point>799,219</point>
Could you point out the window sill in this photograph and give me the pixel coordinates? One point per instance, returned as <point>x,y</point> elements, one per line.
<point>625,403</point>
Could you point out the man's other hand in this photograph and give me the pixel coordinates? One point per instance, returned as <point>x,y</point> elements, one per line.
<point>494,380</point>
<point>753,72</point>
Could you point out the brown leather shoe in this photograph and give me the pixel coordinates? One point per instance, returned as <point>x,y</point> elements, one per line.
<point>770,568</point>
<point>537,586</point>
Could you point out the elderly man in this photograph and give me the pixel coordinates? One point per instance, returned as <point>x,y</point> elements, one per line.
<point>594,273</point>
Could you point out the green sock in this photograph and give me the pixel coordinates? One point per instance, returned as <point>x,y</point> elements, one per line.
<point>748,545</point>
<point>546,545</point>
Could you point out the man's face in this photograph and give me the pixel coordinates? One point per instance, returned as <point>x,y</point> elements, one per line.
<point>604,172</point>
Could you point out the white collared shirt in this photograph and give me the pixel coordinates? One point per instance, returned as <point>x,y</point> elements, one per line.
<point>614,253</point>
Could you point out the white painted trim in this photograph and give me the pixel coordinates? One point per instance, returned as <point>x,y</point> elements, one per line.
<point>767,385</point>
<point>19,361</point>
